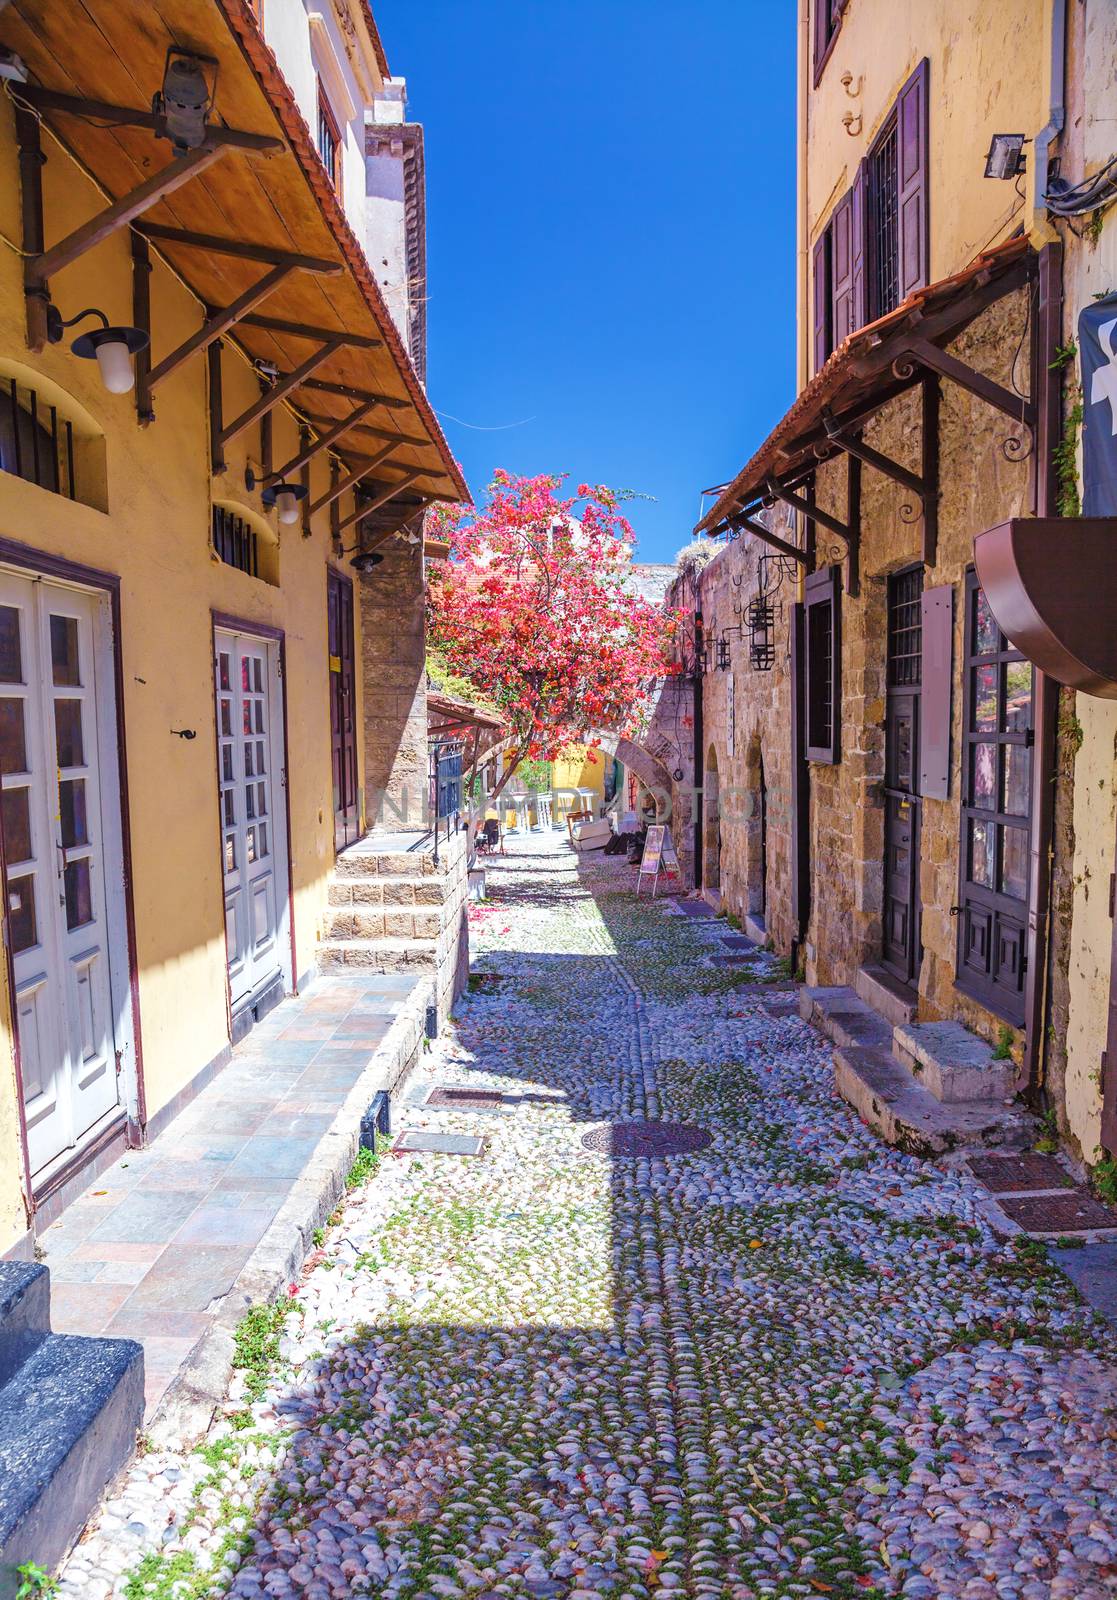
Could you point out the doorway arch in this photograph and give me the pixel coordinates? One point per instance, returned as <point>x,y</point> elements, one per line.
<point>756,831</point>
<point>711,823</point>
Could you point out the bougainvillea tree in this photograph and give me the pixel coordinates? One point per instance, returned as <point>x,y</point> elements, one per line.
<point>537,607</point>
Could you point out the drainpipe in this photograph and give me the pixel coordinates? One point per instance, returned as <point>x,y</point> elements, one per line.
<point>802,254</point>
<point>1042,231</point>
<point>699,769</point>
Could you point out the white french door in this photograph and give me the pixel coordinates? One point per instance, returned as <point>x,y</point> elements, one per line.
<point>55,701</point>
<point>253,824</point>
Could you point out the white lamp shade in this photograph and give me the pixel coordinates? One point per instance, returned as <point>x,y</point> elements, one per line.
<point>115,361</point>
<point>287,505</point>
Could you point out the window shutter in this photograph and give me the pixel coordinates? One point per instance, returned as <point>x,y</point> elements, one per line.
<point>858,230</point>
<point>841,257</point>
<point>821,32</point>
<point>912,182</point>
<point>821,277</point>
<point>823,641</point>
<point>938,682</point>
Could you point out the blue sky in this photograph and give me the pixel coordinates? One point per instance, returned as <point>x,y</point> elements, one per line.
<point>611,236</point>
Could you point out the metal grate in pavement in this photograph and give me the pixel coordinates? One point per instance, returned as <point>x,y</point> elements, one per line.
<point>1058,1213</point>
<point>417,1142</point>
<point>1013,1174</point>
<point>466,1099</point>
<point>633,1139</point>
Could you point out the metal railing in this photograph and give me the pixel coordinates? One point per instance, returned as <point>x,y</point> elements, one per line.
<point>445,784</point>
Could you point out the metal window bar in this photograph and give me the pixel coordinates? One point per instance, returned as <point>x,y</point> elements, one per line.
<point>235,541</point>
<point>905,629</point>
<point>886,275</point>
<point>820,674</point>
<point>327,143</point>
<point>32,450</point>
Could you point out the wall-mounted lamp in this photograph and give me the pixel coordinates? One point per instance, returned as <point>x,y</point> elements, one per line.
<point>186,98</point>
<point>112,348</point>
<point>366,560</point>
<point>1006,155</point>
<point>285,498</point>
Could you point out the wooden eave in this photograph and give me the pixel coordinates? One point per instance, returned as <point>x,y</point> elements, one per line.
<point>114,51</point>
<point>874,365</point>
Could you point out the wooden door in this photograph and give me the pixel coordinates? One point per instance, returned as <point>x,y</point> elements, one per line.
<point>249,752</point>
<point>343,708</point>
<point>901,950</point>
<point>54,858</point>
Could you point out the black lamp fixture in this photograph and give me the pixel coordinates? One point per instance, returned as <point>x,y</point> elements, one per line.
<point>111,347</point>
<point>285,497</point>
<point>186,98</point>
<point>366,560</point>
<point>1006,155</point>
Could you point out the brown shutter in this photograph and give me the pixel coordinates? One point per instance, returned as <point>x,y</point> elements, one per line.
<point>820,270</point>
<point>841,259</point>
<point>823,678</point>
<point>936,699</point>
<point>821,31</point>
<point>858,225</point>
<point>912,181</point>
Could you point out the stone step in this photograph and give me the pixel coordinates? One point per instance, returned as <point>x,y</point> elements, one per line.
<point>24,1313</point>
<point>69,1418</point>
<point>378,922</point>
<point>842,1016</point>
<point>387,889</point>
<point>377,955</point>
<point>354,863</point>
<point>953,1064</point>
<point>894,1000</point>
<point>888,1098</point>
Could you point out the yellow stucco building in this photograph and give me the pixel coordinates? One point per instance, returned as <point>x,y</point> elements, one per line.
<point>183,733</point>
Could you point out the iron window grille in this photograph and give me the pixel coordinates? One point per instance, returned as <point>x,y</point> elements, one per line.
<point>821,607</point>
<point>884,283</point>
<point>905,629</point>
<point>35,443</point>
<point>329,139</point>
<point>235,541</point>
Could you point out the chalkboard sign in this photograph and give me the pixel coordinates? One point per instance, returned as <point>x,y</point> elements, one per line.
<point>659,856</point>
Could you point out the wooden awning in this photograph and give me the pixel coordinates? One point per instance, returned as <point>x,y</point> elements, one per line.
<point>250,223</point>
<point>875,364</point>
<point>448,715</point>
<point>1052,585</point>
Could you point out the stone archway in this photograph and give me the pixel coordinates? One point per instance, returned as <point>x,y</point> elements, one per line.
<point>756,831</point>
<point>711,823</point>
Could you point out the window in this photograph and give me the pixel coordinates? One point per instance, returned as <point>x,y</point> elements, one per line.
<point>35,443</point>
<point>329,139</point>
<point>996,813</point>
<point>235,541</point>
<point>874,249</point>
<point>824,655</point>
<point>827,22</point>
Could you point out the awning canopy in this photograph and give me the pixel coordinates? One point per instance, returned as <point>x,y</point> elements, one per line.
<point>261,238</point>
<point>1052,586</point>
<point>871,367</point>
<point>447,716</point>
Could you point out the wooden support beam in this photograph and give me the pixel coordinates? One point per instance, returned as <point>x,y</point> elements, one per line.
<point>303,330</point>
<point>930,455</point>
<point>31,161</point>
<point>41,99</point>
<point>309,448</point>
<point>123,211</point>
<point>386,494</point>
<point>336,490</point>
<point>347,392</point>
<point>853,520</point>
<point>324,423</point>
<point>216,245</point>
<point>994,394</point>
<point>218,323</point>
<point>853,445</point>
<point>777,490</point>
<point>216,408</point>
<point>304,478</point>
<point>769,538</point>
<point>141,318</point>
<point>280,391</point>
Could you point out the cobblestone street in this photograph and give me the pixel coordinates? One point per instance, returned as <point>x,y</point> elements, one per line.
<point>793,1362</point>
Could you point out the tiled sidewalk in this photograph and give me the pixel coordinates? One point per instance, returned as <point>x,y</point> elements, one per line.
<point>157,1241</point>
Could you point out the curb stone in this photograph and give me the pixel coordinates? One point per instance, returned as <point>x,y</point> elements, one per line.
<point>188,1407</point>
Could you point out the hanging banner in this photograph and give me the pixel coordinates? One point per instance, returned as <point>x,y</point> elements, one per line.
<point>1097,347</point>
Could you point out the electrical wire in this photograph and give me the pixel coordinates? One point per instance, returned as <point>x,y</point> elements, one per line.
<point>1078,199</point>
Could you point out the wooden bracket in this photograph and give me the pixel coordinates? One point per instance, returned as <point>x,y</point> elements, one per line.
<point>323,425</point>
<point>218,323</point>
<point>773,539</point>
<point>1018,407</point>
<point>386,494</point>
<point>303,330</point>
<point>309,448</point>
<point>347,392</point>
<point>930,461</point>
<point>216,245</point>
<point>42,267</point>
<point>141,318</point>
<point>216,408</point>
<point>278,392</point>
<point>853,445</point>
<point>336,490</point>
<point>853,520</point>
<point>816,514</point>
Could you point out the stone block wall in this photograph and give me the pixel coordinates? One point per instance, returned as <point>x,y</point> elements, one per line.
<point>393,664</point>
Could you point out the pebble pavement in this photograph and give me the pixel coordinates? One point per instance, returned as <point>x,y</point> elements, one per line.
<point>794,1362</point>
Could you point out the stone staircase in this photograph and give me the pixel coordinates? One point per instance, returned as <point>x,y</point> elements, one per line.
<point>70,1410</point>
<point>393,908</point>
<point>928,1087</point>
